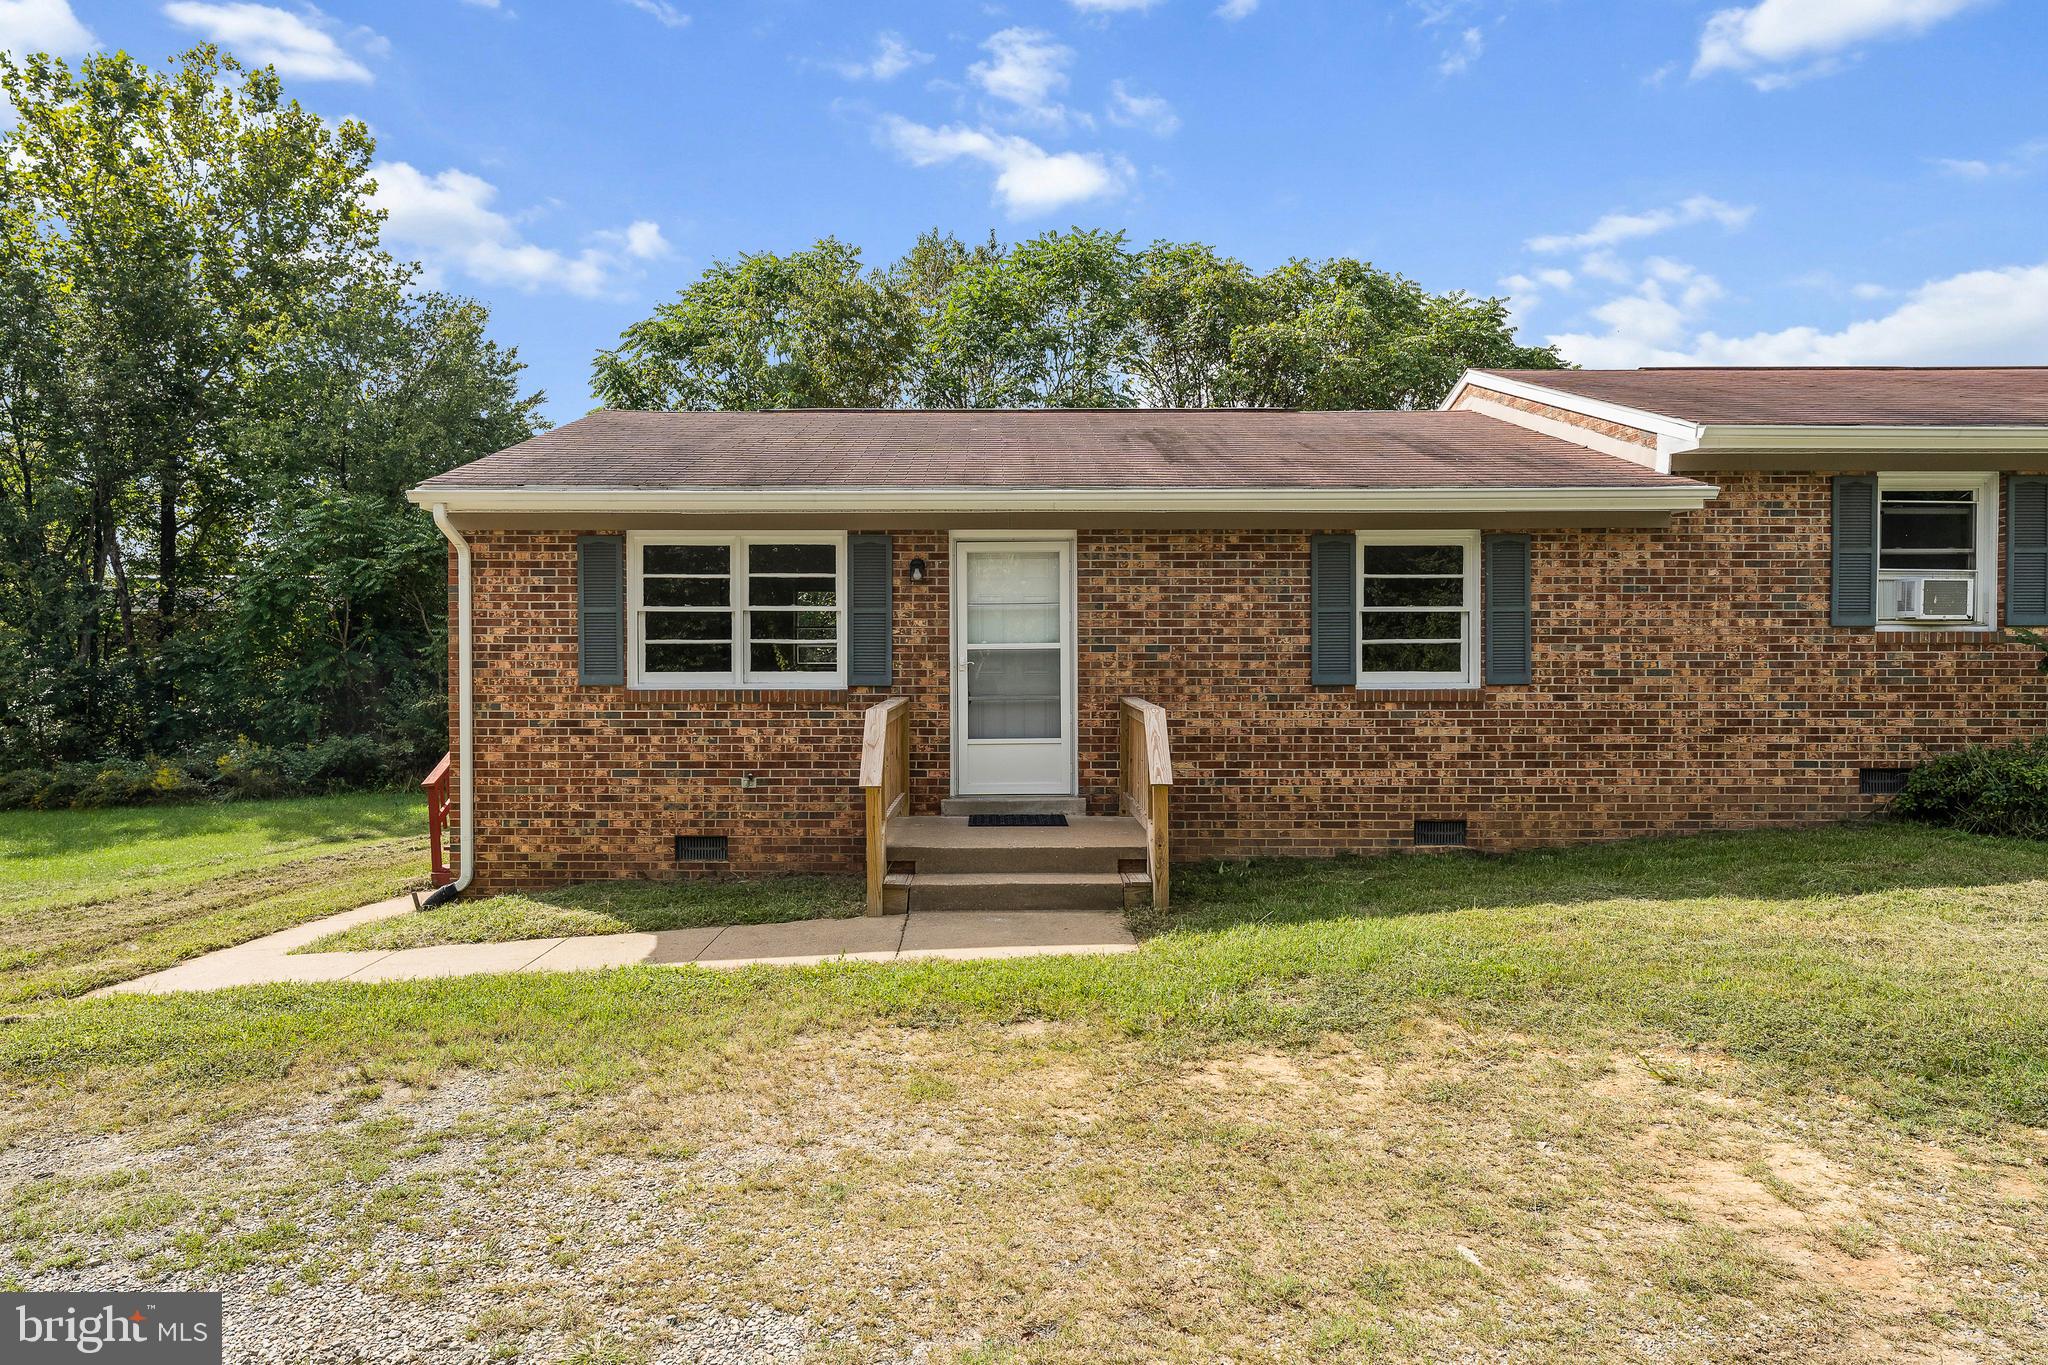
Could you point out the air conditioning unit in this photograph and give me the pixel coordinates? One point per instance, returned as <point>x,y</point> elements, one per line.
<point>1933,599</point>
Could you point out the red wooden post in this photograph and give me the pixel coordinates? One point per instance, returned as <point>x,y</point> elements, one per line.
<point>438,802</point>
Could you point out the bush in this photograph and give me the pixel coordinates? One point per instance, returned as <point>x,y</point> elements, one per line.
<point>2001,790</point>
<point>239,771</point>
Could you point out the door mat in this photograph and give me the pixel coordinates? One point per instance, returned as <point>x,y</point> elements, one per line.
<point>1014,821</point>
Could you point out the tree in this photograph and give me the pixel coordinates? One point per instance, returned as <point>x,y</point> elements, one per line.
<point>1066,319</point>
<point>806,330</point>
<point>213,387</point>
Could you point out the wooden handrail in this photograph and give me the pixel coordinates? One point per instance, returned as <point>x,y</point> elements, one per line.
<point>1144,783</point>
<point>438,802</point>
<point>885,784</point>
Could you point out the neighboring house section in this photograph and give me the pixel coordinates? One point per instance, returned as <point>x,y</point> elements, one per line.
<point>1574,605</point>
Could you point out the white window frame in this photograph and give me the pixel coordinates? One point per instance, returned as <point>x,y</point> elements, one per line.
<point>1985,605</point>
<point>737,547</point>
<point>1468,676</point>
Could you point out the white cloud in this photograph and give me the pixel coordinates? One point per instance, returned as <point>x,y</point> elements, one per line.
<point>2021,160</point>
<point>1025,69</point>
<point>263,35</point>
<point>449,220</point>
<point>1530,290</point>
<point>892,58</point>
<point>1458,60</point>
<point>1029,179</point>
<point>1615,228</point>
<point>640,239</point>
<point>43,26</point>
<point>1115,6</point>
<point>1127,109</point>
<point>1778,42</point>
<point>1980,317</point>
<point>665,14</point>
<point>1234,10</point>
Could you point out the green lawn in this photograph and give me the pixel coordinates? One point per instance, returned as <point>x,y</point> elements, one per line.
<point>609,908</point>
<point>1768,1096</point>
<point>90,897</point>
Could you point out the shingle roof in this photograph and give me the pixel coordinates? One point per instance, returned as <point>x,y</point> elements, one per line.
<point>1860,396</point>
<point>1093,449</point>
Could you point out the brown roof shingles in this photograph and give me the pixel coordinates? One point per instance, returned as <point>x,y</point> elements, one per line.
<point>1859,396</point>
<point>1048,449</point>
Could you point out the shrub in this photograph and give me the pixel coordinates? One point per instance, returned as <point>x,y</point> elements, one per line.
<point>238,771</point>
<point>2000,790</point>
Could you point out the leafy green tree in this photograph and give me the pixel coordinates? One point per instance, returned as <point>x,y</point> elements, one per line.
<point>213,388</point>
<point>1343,334</point>
<point>1066,319</point>
<point>1187,304</point>
<point>810,329</point>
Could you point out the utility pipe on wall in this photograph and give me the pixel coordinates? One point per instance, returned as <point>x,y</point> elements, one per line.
<point>465,756</point>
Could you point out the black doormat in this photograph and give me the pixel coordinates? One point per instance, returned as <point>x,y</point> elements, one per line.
<point>1014,821</point>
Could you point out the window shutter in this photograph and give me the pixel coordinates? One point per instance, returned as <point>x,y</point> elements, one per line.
<point>1333,610</point>
<point>601,611</point>
<point>1505,581</point>
<point>2026,550</point>
<point>1855,550</point>
<point>870,577</point>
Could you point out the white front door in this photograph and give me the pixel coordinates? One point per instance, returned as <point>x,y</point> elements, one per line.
<point>1013,689</point>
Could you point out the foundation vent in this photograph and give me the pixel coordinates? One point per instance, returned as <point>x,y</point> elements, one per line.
<point>1439,833</point>
<point>700,848</point>
<point>1881,781</point>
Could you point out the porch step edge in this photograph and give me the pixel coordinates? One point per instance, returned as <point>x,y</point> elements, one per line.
<point>942,891</point>
<point>1013,805</point>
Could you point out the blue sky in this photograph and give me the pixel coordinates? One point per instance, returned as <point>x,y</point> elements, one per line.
<point>1650,181</point>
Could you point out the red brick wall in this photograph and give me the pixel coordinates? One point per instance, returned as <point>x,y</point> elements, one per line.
<point>1685,679</point>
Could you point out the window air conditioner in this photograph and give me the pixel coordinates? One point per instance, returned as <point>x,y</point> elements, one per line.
<point>1933,599</point>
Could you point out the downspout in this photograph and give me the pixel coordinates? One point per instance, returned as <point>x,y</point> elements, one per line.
<point>465,744</point>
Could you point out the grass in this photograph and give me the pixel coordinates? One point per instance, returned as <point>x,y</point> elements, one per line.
<point>92,897</point>
<point>1906,965</point>
<point>608,908</point>
<point>1770,1096</point>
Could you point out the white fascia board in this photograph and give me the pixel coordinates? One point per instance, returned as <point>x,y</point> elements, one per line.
<point>1673,434</point>
<point>1988,439</point>
<point>531,498</point>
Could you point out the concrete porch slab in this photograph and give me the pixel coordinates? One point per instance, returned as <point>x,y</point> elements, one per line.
<point>808,941</point>
<point>983,933</point>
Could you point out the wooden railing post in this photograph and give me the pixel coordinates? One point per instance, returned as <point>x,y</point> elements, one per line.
<point>885,786</point>
<point>438,802</point>
<point>1145,785</point>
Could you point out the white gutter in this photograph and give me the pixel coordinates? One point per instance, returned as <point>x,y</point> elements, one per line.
<point>465,744</point>
<point>1972,439</point>
<point>1686,496</point>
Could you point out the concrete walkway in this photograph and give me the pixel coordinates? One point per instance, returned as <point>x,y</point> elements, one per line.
<point>956,934</point>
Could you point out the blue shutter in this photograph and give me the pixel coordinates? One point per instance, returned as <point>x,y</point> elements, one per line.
<point>1333,610</point>
<point>1855,550</point>
<point>2026,550</point>
<point>601,611</point>
<point>869,580</point>
<point>1504,565</point>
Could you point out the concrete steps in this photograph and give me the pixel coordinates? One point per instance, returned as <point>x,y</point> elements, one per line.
<point>1091,863</point>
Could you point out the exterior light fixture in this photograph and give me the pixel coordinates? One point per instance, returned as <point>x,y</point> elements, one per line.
<point>917,571</point>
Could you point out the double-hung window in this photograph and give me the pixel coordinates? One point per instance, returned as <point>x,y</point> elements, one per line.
<point>1937,538</point>
<point>1418,603</point>
<point>738,611</point>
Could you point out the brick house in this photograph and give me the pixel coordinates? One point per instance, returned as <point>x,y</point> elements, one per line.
<point>1569,606</point>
